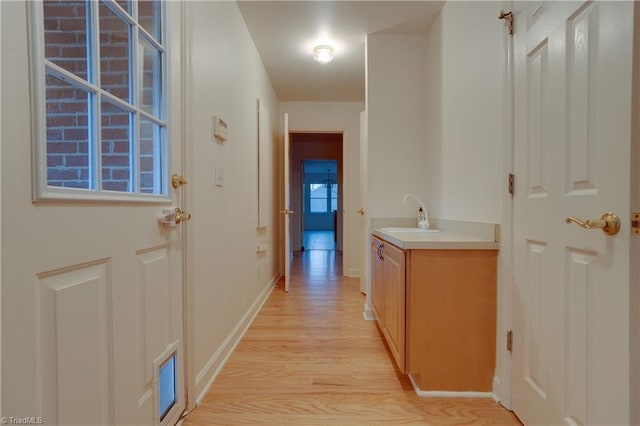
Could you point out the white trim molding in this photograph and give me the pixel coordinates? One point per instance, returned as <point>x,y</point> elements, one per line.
<point>451,394</point>
<point>213,367</point>
<point>368,313</point>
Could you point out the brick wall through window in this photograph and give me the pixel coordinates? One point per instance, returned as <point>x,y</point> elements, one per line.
<point>70,109</point>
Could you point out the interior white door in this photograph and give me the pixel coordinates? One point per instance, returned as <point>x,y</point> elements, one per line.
<point>573,71</point>
<point>364,231</point>
<point>91,290</point>
<point>288,253</point>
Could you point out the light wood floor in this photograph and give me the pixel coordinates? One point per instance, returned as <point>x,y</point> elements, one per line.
<point>318,240</point>
<point>310,358</point>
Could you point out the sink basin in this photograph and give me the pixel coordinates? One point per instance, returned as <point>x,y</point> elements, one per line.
<point>412,230</point>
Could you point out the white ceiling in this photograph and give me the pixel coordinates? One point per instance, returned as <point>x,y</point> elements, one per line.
<point>285,33</point>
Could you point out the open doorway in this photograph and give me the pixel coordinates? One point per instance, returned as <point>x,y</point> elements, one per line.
<point>316,160</point>
<point>319,204</point>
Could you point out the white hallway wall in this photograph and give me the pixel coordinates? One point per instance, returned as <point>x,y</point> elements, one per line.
<point>331,116</point>
<point>396,108</point>
<point>466,142</point>
<point>465,112</point>
<point>225,76</point>
<point>436,115</point>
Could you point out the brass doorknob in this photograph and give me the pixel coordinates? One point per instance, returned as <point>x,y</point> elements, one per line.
<point>361,211</point>
<point>287,211</point>
<point>609,223</point>
<point>177,181</point>
<point>181,215</point>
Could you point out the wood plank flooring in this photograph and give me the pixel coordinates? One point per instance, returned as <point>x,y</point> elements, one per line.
<point>310,358</point>
<point>318,240</point>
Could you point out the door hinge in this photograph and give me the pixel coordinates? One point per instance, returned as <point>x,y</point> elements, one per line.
<point>512,180</point>
<point>510,340</point>
<point>635,223</point>
<point>508,16</point>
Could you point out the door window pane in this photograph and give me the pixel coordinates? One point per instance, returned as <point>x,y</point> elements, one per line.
<point>149,17</point>
<point>125,4</point>
<point>65,35</point>
<point>317,198</point>
<point>150,157</point>
<point>166,386</point>
<point>91,58</point>
<point>150,79</point>
<point>114,54</point>
<point>68,156</point>
<point>334,197</point>
<point>116,159</point>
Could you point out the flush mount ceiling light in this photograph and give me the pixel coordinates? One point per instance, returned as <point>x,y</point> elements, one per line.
<point>323,53</point>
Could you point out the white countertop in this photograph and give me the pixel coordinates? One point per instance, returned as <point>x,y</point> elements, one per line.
<point>443,240</point>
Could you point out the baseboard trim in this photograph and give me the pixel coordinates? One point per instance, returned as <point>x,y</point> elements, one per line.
<point>220,357</point>
<point>368,313</point>
<point>450,394</point>
<point>353,273</point>
<point>497,388</point>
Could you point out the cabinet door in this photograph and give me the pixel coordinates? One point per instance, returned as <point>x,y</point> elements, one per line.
<point>394,299</point>
<point>377,298</point>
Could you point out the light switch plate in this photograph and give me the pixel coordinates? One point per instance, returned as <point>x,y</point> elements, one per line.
<point>219,175</point>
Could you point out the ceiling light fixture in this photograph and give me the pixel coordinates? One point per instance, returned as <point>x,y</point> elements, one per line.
<point>323,53</point>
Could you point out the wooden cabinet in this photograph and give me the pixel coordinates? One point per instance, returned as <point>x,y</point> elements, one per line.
<point>388,295</point>
<point>437,311</point>
<point>394,302</point>
<point>377,299</point>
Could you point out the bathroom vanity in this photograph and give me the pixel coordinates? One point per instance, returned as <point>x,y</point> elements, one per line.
<point>434,299</point>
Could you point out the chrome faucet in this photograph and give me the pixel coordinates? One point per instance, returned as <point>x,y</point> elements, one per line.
<point>424,224</point>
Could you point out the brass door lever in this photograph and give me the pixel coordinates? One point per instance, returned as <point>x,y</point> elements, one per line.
<point>609,223</point>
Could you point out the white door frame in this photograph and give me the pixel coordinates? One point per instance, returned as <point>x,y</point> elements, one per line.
<point>344,207</point>
<point>502,378</point>
<point>0,217</point>
<point>635,206</point>
<point>188,236</point>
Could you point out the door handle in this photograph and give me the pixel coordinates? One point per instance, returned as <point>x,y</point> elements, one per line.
<point>177,181</point>
<point>171,217</point>
<point>287,211</point>
<point>181,215</point>
<point>609,223</point>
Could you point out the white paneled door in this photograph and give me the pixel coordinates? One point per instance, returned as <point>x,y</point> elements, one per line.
<point>286,212</point>
<point>571,317</point>
<point>365,243</point>
<point>92,300</point>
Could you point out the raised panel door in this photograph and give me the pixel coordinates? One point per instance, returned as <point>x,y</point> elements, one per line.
<point>377,298</point>
<point>571,310</point>
<point>394,297</point>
